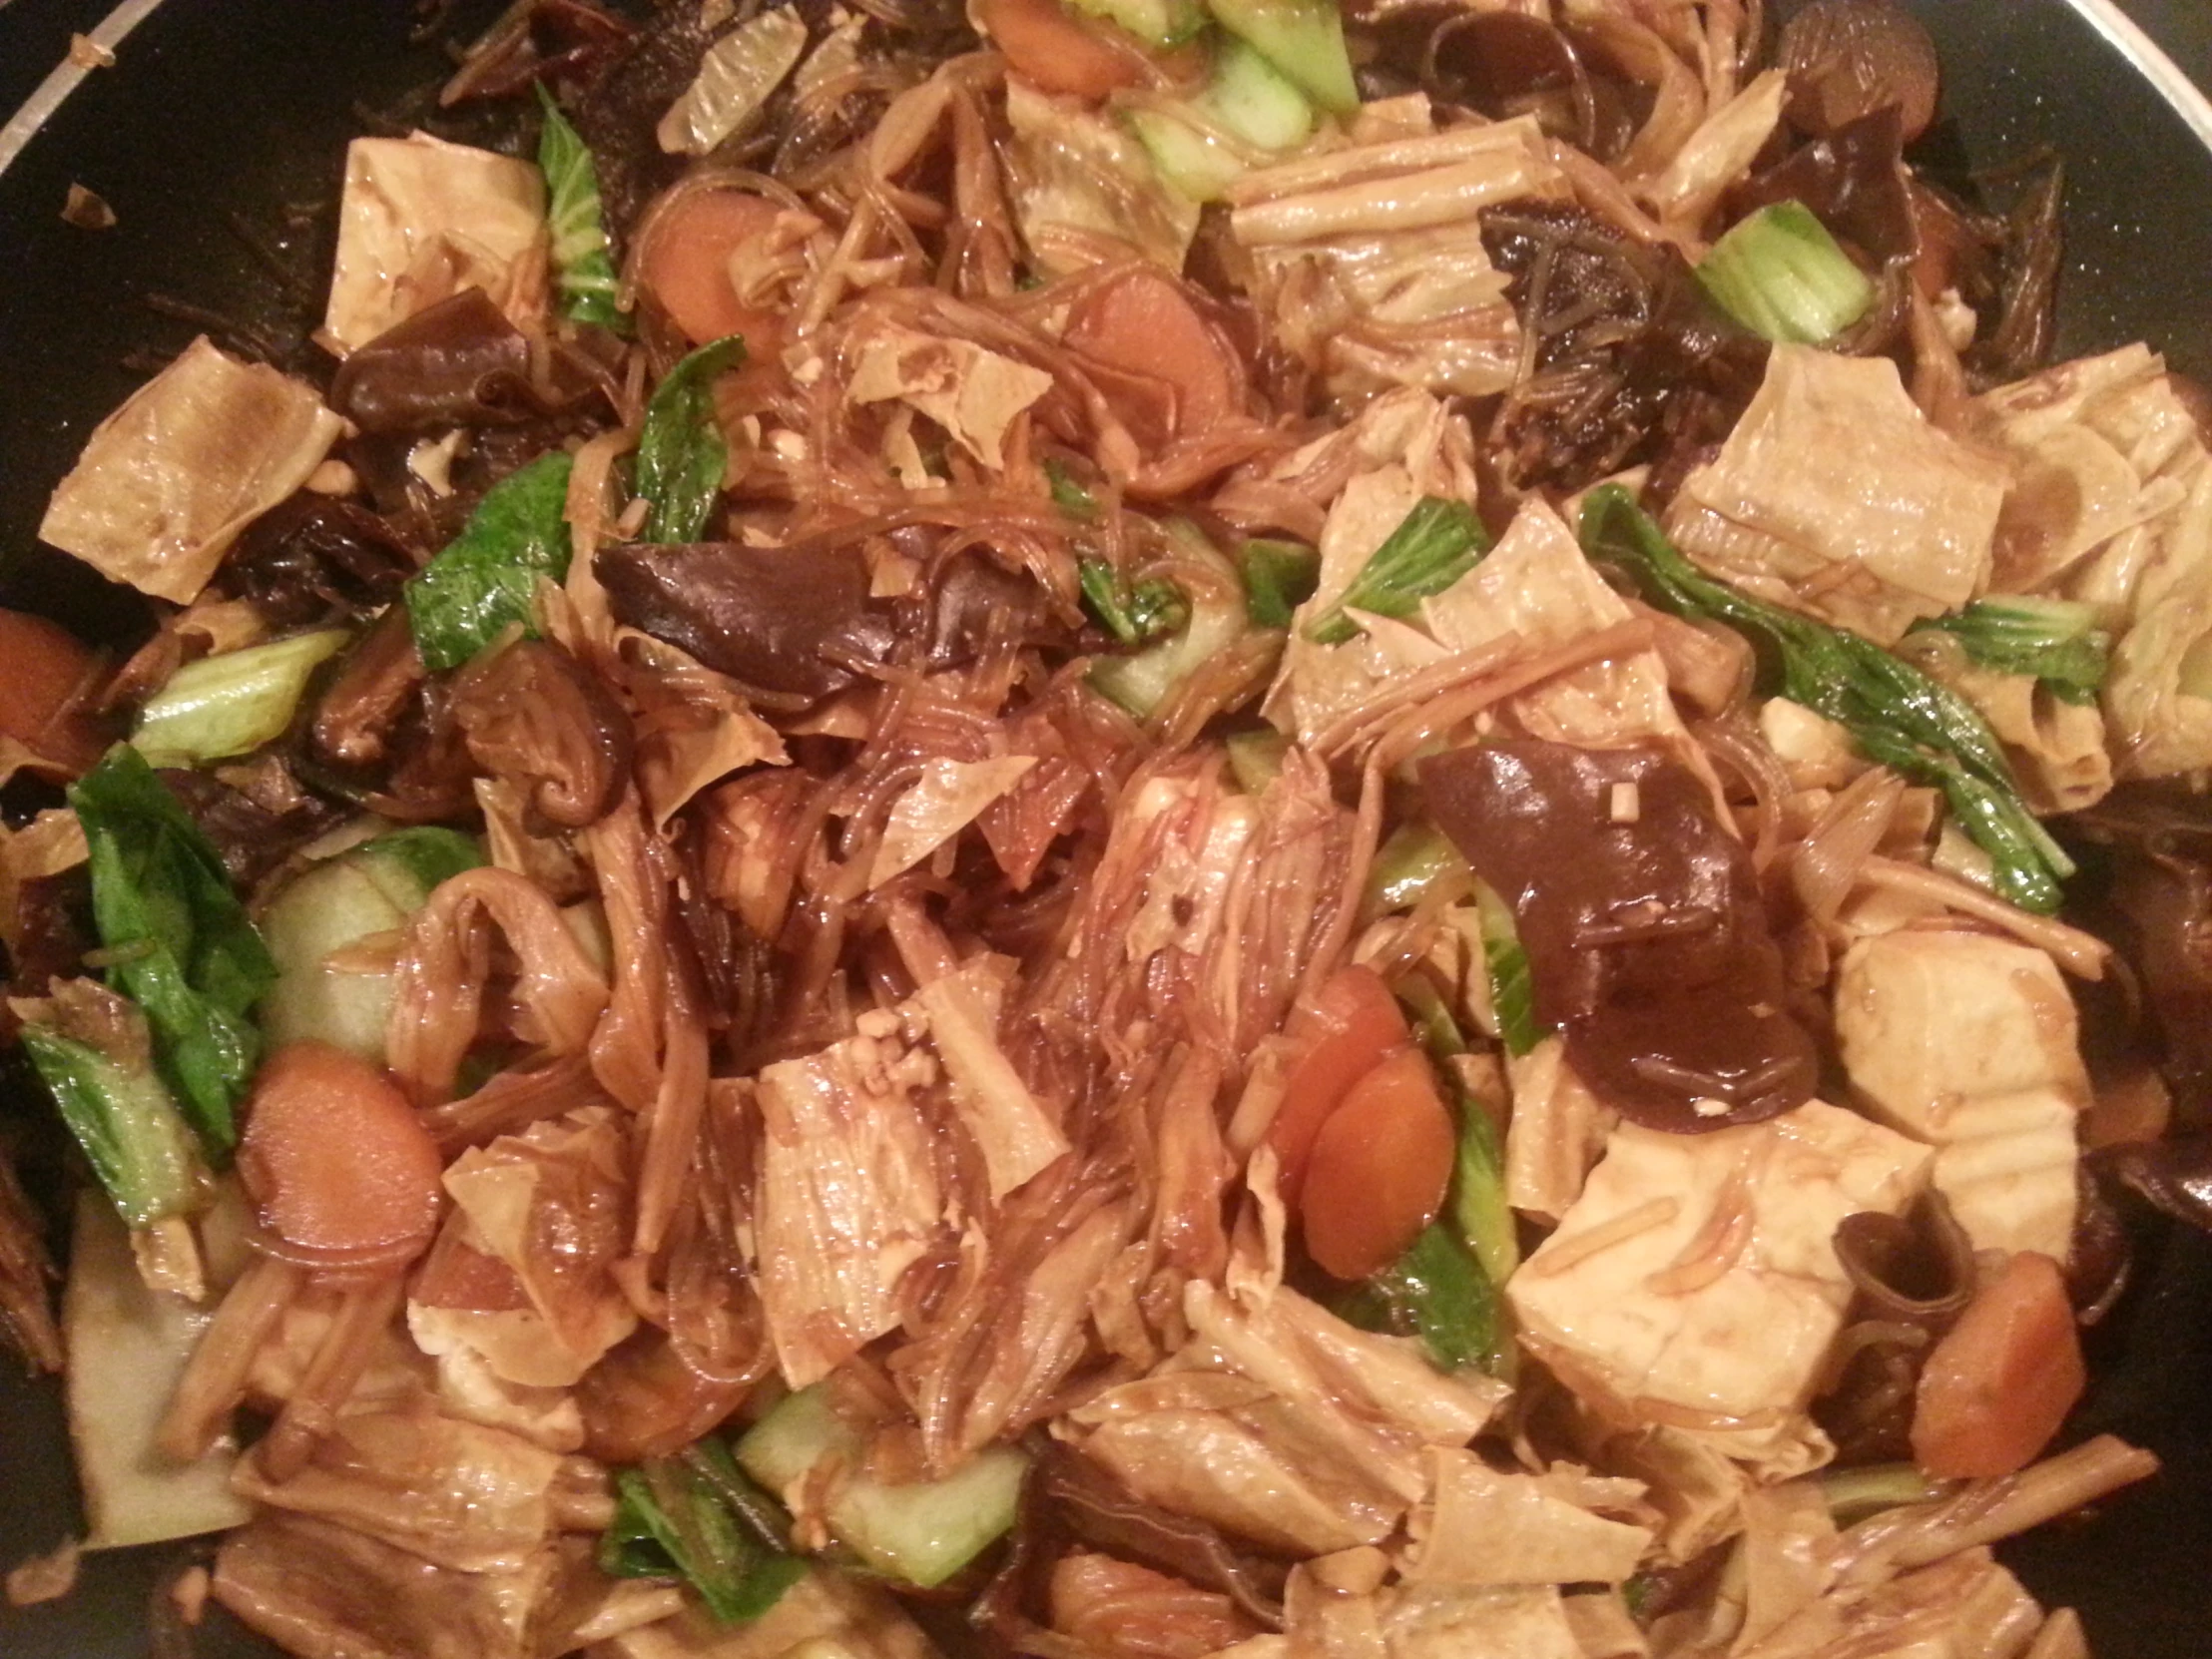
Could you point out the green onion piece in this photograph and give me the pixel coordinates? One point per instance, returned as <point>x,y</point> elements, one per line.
<point>1781,274</point>
<point>2055,641</point>
<point>1279,576</point>
<point>1068,495</point>
<point>583,266</point>
<point>1854,1494</point>
<point>681,451</point>
<point>1512,988</point>
<point>486,578</point>
<point>1438,542</point>
<point>1135,614</point>
<point>674,1518</point>
<point>180,942</point>
<point>1896,715</point>
<point>92,1050</point>
<point>231,703</point>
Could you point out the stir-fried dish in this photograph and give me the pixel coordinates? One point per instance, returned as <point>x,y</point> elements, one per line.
<point>1124,830</point>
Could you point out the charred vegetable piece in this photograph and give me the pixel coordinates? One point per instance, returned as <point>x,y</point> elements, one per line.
<point>1305,39</point>
<point>178,942</point>
<point>234,703</point>
<point>781,621</point>
<point>1438,542</point>
<point>674,1518</point>
<point>1781,274</point>
<point>681,451</point>
<point>483,582</point>
<point>1135,613</point>
<point>1647,940</point>
<point>1279,576</point>
<point>2055,640</point>
<point>1897,716</point>
<point>583,269</point>
<point>95,1056</point>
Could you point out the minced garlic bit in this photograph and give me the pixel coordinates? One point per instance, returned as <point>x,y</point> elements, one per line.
<point>1625,807</point>
<point>189,1593</point>
<point>87,53</point>
<point>332,478</point>
<point>87,210</point>
<point>1706,1107</point>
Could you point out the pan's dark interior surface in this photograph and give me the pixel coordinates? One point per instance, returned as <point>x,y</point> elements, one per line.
<point>231,115</point>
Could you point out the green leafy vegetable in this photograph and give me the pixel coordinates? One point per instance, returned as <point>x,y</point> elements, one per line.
<point>1417,861</point>
<point>1143,681</point>
<point>583,267</point>
<point>92,1050</point>
<point>2055,640</point>
<point>1069,495</point>
<point>1134,613</point>
<point>1438,542</point>
<point>1437,1292</point>
<point>696,1517</point>
<point>681,451</point>
<point>1779,273</point>
<point>1479,1205</point>
<point>427,853</point>
<point>1897,716</point>
<point>176,937</point>
<point>1305,39</point>
<point>232,703</point>
<point>1512,989</point>
<point>1279,576</point>
<point>484,580</point>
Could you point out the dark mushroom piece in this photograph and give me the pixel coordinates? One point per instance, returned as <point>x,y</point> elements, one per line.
<point>785,624</point>
<point>1647,939</point>
<point>1849,57</point>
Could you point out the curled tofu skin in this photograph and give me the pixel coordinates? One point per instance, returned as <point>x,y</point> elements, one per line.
<point>1835,495</point>
<point>422,220</point>
<point>169,480</point>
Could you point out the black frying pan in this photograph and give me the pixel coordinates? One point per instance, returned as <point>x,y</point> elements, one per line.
<point>223,126</point>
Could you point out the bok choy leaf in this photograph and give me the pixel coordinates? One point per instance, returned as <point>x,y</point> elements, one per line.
<point>177,940</point>
<point>2054,640</point>
<point>583,267</point>
<point>484,580</point>
<point>696,1517</point>
<point>1438,542</point>
<point>681,451</point>
<point>1896,715</point>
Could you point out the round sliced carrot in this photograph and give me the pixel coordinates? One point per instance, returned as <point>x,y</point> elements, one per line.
<point>1142,323</point>
<point>685,267</point>
<point>1379,1169</point>
<point>1351,1023</point>
<point>335,1160</point>
<point>1056,51</point>
<point>2001,1381</point>
<point>49,670</point>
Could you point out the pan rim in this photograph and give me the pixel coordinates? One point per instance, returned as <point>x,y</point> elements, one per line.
<point>2119,31</point>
